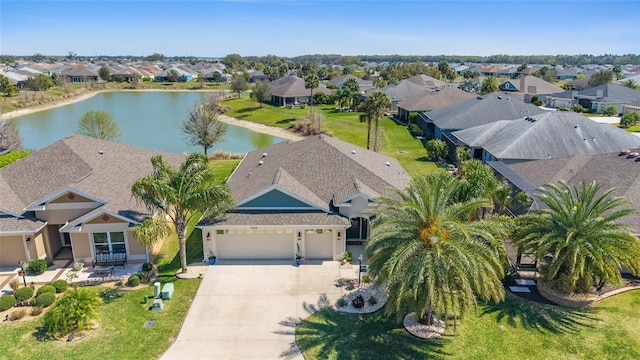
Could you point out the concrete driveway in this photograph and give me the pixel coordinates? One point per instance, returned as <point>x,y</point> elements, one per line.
<point>238,309</point>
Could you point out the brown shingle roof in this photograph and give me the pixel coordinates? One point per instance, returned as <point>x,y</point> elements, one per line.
<point>448,95</point>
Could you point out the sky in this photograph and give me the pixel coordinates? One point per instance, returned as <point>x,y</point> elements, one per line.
<point>288,28</point>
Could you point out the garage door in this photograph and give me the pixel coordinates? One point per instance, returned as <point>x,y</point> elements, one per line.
<point>319,245</point>
<point>266,245</point>
<point>11,250</point>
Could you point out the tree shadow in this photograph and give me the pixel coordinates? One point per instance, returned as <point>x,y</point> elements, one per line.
<point>194,252</point>
<point>40,334</point>
<point>536,316</point>
<point>286,121</point>
<point>328,333</point>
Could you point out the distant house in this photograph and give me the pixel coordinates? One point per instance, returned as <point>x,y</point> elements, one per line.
<point>284,208</point>
<point>408,88</point>
<point>15,79</point>
<point>72,200</point>
<point>257,75</point>
<point>183,75</point>
<point>526,87</point>
<point>364,85</point>
<point>432,100</point>
<point>631,107</point>
<point>79,74</point>
<point>595,98</point>
<point>613,170</point>
<point>480,110</point>
<point>289,90</point>
<point>547,135</point>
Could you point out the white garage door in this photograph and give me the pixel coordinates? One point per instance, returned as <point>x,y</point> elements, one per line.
<point>319,246</point>
<point>265,245</point>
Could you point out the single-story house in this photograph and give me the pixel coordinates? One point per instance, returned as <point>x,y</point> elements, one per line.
<point>480,110</point>
<point>543,136</point>
<point>79,73</point>
<point>289,90</point>
<point>596,98</point>
<point>526,87</point>
<point>432,100</point>
<point>614,170</point>
<point>72,200</point>
<point>307,198</point>
<point>183,75</point>
<point>364,85</point>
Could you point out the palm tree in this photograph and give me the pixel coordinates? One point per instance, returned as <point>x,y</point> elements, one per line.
<point>367,117</point>
<point>432,259</point>
<point>352,85</point>
<point>375,106</point>
<point>75,311</point>
<point>631,84</point>
<point>437,148</point>
<point>489,85</point>
<point>342,94</point>
<point>580,230</point>
<point>311,82</point>
<point>179,194</point>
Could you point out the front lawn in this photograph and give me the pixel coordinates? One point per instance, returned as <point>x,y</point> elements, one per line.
<point>346,126</point>
<point>514,329</point>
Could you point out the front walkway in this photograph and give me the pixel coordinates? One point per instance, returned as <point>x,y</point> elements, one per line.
<point>248,310</point>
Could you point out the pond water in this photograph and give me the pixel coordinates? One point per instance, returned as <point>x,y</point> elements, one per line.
<point>146,119</point>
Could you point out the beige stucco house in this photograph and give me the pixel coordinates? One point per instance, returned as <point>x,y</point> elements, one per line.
<point>309,198</point>
<point>72,200</point>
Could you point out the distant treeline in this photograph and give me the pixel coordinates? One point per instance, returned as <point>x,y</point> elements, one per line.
<point>493,59</point>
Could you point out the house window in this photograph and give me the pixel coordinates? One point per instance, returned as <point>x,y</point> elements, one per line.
<point>109,242</point>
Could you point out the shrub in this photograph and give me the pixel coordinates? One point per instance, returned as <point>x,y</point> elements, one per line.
<point>23,294</point>
<point>133,280</point>
<point>366,279</point>
<point>46,299</point>
<point>13,156</point>
<point>38,266</point>
<point>609,111</point>
<point>7,302</point>
<point>119,283</point>
<point>60,285</point>
<point>37,310</point>
<point>14,284</point>
<point>17,315</point>
<point>415,130</point>
<point>110,294</point>
<point>85,303</point>
<point>578,108</point>
<point>630,119</point>
<point>147,266</point>
<point>341,303</point>
<point>348,257</point>
<point>46,289</point>
<point>372,300</point>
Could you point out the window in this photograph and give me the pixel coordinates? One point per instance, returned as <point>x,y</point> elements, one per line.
<point>109,242</point>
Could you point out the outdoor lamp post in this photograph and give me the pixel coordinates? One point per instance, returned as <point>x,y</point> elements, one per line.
<point>359,268</point>
<point>23,274</point>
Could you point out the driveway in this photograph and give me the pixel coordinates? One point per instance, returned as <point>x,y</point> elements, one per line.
<point>238,309</point>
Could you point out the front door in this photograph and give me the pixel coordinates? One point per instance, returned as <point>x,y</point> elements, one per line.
<point>66,239</point>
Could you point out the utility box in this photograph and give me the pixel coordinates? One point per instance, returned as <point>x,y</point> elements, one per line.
<point>156,290</point>
<point>157,305</point>
<point>167,291</point>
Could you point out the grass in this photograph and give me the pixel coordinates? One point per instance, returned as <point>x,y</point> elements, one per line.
<point>635,128</point>
<point>121,333</point>
<point>395,139</point>
<point>514,329</point>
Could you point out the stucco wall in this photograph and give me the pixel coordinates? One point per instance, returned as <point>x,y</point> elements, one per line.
<point>81,244</point>
<point>64,199</point>
<point>11,250</point>
<point>134,245</point>
<point>60,216</point>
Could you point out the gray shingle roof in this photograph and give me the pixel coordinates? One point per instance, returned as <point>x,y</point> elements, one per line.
<point>533,85</point>
<point>363,84</point>
<point>100,168</point>
<point>425,80</point>
<point>482,110</point>
<point>321,165</point>
<point>611,170</point>
<point>434,100</point>
<point>547,135</point>
<point>293,86</point>
<point>280,218</point>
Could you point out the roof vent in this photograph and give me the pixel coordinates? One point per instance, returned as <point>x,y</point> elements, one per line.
<point>479,97</point>
<point>100,152</point>
<point>624,152</point>
<point>260,162</point>
<point>577,126</point>
<point>632,155</point>
<point>249,174</point>
<point>353,151</point>
<point>500,97</point>
<point>387,163</point>
<point>264,154</point>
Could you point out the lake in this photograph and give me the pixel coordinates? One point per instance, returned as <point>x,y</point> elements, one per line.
<point>149,119</point>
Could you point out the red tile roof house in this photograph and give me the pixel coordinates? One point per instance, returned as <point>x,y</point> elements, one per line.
<point>74,194</point>
<point>307,198</point>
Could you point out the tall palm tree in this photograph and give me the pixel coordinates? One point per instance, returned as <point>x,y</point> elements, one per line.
<point>432,259</point>
<point>311,82</point>
<point>366,116</point>
<point>489,85</point>
<point>353,87</point>
<point>580,230</point>
<point>342,94</point>
<point>631,84</point>
<point>375,106</point>
<point>180,195</point>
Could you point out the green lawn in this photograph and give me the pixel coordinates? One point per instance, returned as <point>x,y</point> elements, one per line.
<point>514,329</point>
<point>396,140</point>
<point>635,128</point>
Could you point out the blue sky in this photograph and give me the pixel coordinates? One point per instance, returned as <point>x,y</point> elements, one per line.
<point>298,27</point>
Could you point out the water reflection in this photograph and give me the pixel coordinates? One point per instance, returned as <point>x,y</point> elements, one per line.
<point>146,119</point>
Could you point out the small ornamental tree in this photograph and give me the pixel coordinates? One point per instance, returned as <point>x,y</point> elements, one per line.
<point>609,111</point>
<point>630,119</point>
<point>75,311</point>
